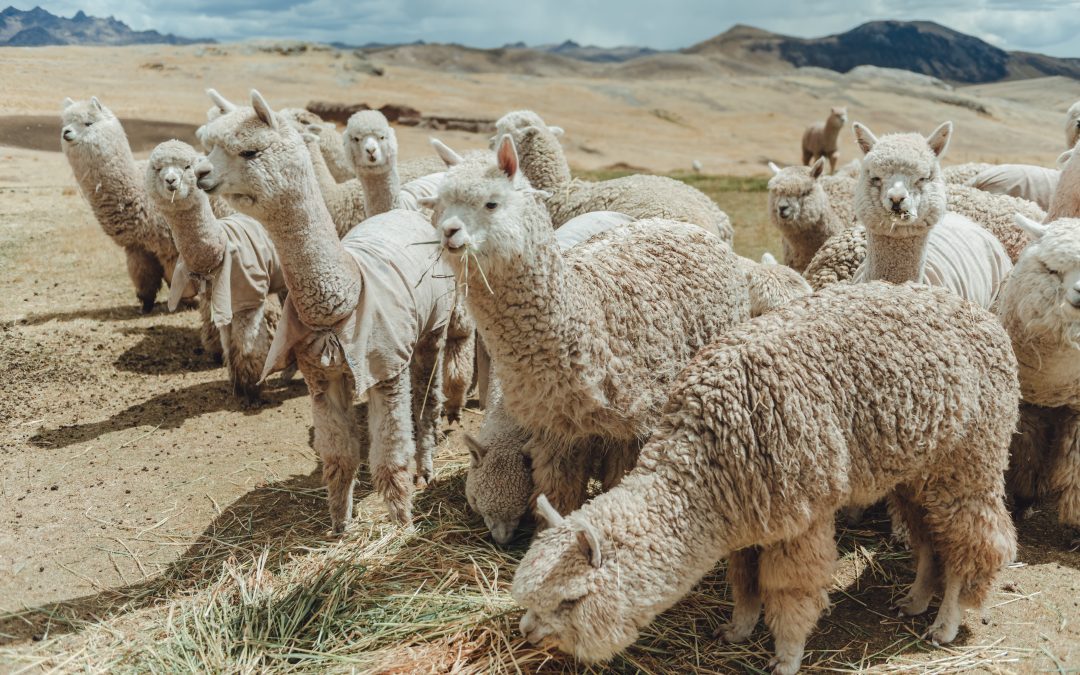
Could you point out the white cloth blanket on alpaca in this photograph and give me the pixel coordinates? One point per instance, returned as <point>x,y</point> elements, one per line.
<point>418,188</point>
<point>250,267</point>
<point>580,228</point>
<point>964,258</point>
<point>1027,181</point>
<point>408,292</point>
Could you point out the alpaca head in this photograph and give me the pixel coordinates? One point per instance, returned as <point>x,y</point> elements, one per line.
<point>517,124</point>
<point>87,123</point>
<point>796,199</point>
<point>256,159</point>
<point>370,143</point>
<point>1042,293</point>
<point>498,486</point>
<point>569,584</point>
<point>480,209</point>
<point>1072,126</point>
<point>170,175</point>
<point>900,191</point>
<point>772,285</point>
<point>838,116</point>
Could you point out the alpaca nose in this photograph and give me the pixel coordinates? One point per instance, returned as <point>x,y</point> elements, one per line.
<point>68,134</point>
<point>784,212</point>
<point>454,235</point>
<point>896,202</point>
<point>202,177</point>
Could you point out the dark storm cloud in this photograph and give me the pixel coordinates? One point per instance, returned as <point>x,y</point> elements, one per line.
<point>1051,26</point>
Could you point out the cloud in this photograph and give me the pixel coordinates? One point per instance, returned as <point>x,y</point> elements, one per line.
<point>1052,26</point>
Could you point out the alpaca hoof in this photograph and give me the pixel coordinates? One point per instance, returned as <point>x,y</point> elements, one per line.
<point>779,666</point>
<point>453,416</point>
<point>732,634</point>
<point>911,605</point>
<point>147,306</point>
<point>400,514</point>
<point>940,634</point>
<point>424,479</point>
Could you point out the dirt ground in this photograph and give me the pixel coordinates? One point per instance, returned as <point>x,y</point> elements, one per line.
<point>121,446</point>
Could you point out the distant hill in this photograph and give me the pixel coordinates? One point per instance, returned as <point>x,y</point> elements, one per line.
<point>918,46</point>
<point>590,53</point>
<point>38,27</point>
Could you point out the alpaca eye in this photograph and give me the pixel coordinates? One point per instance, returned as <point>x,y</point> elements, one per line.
<point>491,206</point>
<point>86,124</point>
<point>187,167</point>
<point>567,605</point>
<point>1051,271</point>
<point>249,154</point>
<point>875,181</point>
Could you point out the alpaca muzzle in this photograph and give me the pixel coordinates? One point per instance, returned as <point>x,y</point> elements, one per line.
<point>454,235</point>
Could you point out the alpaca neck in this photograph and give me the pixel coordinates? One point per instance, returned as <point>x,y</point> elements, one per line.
<point>199,236</point>
<point>832,130</point>
<point>381,190</point>
<point>895,259</point>
<point>534,290</point>
<point>544,163</point>
<point>1066,200</point>
<point>323,280</point>
<point>324,178</point>
<point>110,181</point>
<point>805,241</point>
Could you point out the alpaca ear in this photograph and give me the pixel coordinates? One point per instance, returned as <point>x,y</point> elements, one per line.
<point>68,102</point>
<point>864,137</point>
<point>775,169</point>
<point>476,450</point>
<point>939,140</point>
<point>313,128</point>
<point>96,103</point>
<point>507,156</point>
<point>448,156</point>
<point>767,258</point>
<point>262,109</point>
<point>818,168</point>
<point>557,131</point>
<point>548,511</point>
<point>1064,158</point>
<point>588,541</point>
<point>223,104</point>
<point>428,203</point>
<point>1035,229</point>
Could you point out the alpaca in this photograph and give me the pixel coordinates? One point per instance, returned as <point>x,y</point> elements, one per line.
<point>1040,308</point>
<point>1072,126</point>
<point>819,139</point>
<point>584,342</point>
<point>364,314</point>
<point>843,397</point>
<point>802,211</point>
<point>1026,181</point>
<point>638,196</point>
<point>232,259</point>
<point>111,181</point>
<point>1065,203</point>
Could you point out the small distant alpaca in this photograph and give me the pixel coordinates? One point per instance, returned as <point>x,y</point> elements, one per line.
<point>819,139</point>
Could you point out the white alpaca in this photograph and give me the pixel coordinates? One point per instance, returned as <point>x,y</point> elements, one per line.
<point>331,142</point>
<point>364,314</point>
<point>584,342</point>
<point>231,259</point>
<point>1040,308</point>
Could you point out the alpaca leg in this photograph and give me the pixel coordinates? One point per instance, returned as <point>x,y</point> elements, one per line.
<point>250,335</point>
<point>807,157</point>
<point>427,405</point>
<point>214,343</point>
<point>973,537</point>
<point>336,439</point>
<point>1024,481</point>
<point>1065,471</point>
<point>793,577</point>
<point>146,273</point>
<point>834,156</point>
<point>560,474</point>
<point>483,373</point>
<point>904,510</point>
<point>390,426</point>
<point>742,576</point>
<point>458,358</point>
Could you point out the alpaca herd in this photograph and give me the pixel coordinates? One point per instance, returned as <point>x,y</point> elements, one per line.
<point>918,343</point>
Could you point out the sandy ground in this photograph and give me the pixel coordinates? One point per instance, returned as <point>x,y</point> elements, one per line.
<point>120,444</point>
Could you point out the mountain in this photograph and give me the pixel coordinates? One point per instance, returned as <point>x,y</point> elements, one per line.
<point>38,27</point>
<point>918,46</point>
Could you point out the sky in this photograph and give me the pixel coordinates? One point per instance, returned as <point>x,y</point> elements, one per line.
<point>1047,26</point>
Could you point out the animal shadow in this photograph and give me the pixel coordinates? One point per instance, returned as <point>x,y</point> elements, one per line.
<point>165,350</point>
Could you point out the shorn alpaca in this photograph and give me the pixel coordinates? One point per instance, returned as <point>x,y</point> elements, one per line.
<point>583,343</point>
<point>819,139</point>
<point>1040,308</point>
<point>112,182</point>
<point>364,314</point>
<point>842,398</point>
<point>231,259</point>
